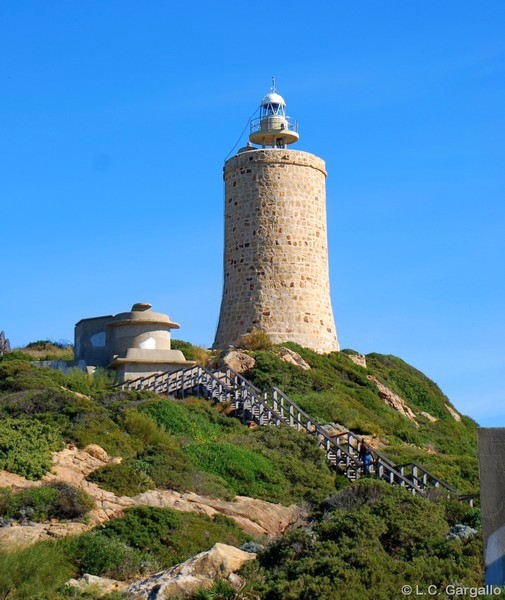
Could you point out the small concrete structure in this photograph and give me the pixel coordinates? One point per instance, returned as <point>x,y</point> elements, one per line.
<point>492,494</point>
<point>134,344</point>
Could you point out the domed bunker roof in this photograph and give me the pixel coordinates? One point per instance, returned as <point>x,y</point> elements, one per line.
<point>141,313</point>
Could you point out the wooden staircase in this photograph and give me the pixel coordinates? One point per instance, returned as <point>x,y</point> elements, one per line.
<point>275,408</point>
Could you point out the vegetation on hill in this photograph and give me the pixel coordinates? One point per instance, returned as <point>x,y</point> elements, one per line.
<point>144,541</point>
<point>336,389</point>
<point>364,541</point>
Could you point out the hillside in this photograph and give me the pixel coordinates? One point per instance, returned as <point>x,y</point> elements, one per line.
<point>194,446</point>
<point>336,389</point>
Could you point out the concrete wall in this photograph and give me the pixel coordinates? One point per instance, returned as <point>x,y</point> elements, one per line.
<point>91,341</point>
<point>492,497</point>
<point>276,252</point>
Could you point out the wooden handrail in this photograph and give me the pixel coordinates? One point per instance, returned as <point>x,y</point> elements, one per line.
<point>229,383</point>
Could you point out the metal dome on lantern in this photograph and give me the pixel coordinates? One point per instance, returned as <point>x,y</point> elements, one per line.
<point>273,128</point>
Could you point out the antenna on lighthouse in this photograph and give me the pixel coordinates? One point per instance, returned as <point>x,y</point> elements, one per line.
<point>273,128</point>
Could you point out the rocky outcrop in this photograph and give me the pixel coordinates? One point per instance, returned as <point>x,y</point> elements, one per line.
<point>20,536</point>
<point>427,415</point>
<point>252,515</point>
<point>358,359</point>
<point>197,572</point>
<point>454,414</point>
<point>238,361</point>
<point>72,466</point>
<point>103,585</point>
<point>293,358</point>
<point>393,400</point>
<point>4,344</point>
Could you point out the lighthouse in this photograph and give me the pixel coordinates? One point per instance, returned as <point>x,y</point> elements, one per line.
<point>276,275</point>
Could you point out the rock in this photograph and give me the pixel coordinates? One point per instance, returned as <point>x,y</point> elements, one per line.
<point>358,359</point>
<point>236,581</point>
<point>293,358</point>
<point>334,429</point>
<point>101,584</point>
<point>238,361</point>
<point>427,415</point>
<point>16,482</point>
<point>21,536</point>
<point>197,572</point>
<point>461,532</point>
<point>97,451</point>
<point>455,415</point>
<point>252,515</point>
<point>393,400</point>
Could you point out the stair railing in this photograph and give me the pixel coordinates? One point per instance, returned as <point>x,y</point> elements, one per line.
<point>275,408</point>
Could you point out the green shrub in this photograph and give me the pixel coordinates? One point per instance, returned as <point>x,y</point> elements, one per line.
<point>109,556</point>
<point>55,500</point>
<point>144,429</point>
<point>127,478</point>
<point>191,352</point>
<point>98,428</point>
<point>41,402</point>
<point>17,374</point>
<point>191,419</point>
<point>297,456</point>
<point>26,446</point>
<point>367,542</point>
<point>257,339</point>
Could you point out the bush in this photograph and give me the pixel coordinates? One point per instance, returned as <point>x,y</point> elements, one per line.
<point>26,446</point>
<point>109,556</point>
<point>98,428</point>
<point>170,536</point>
<point>127,478</point>
<point>371,540</point>
<point>297,456</point>
<point>56,500</point>
<point>191,352</point>
<point>192,419</point>
<point>257,339</point>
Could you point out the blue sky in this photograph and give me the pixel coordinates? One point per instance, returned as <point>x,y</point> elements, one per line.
<point>116,118</point>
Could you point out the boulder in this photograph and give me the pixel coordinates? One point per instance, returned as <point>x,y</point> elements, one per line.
<point>358,359</point>
<point>461,532</point>
<point>197,572</point>
<point>427,415</point>
<point>293,358</point>
<point>238,361</point>
<point>103,585</point>
<point>96,451</point>
<point>393,400</point>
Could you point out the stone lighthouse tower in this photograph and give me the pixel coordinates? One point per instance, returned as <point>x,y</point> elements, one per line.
<point>275,249</point>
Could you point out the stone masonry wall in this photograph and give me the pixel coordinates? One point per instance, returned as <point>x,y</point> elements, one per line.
<point>276,251</point>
